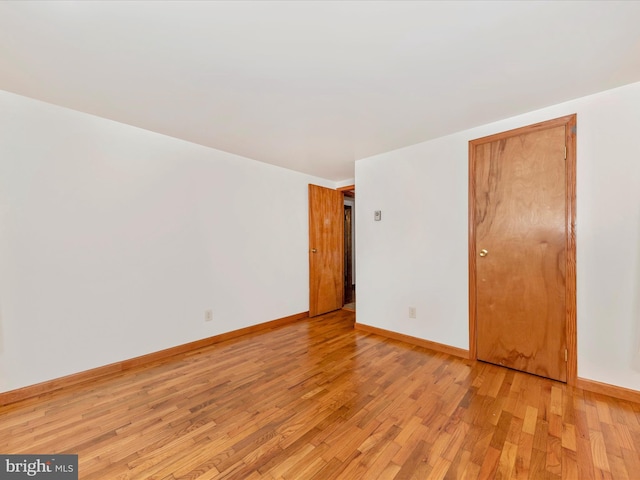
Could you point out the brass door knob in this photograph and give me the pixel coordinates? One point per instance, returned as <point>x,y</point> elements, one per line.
<point>483,252</point>
<point>313,250</point>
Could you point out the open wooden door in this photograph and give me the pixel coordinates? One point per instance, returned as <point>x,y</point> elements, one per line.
<point>522,254</point>
<point>326,244</point>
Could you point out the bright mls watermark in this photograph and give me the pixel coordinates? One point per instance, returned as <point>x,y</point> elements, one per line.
<point>50,467</point>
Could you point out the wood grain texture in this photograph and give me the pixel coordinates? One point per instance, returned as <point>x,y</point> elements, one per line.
<point>571,265</point>
<point>522,210</point>
<point>520,220</point>
<point>326,250</point>
<point>318,400</point>
<point>473,334</point>
<point>91,375</point>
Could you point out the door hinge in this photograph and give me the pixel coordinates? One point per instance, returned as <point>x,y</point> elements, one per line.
<point>566,355</point>
<point>565,152</point>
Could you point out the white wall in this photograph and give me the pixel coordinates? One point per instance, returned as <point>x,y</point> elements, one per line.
<point>417,255</point>
<point>114,241</point>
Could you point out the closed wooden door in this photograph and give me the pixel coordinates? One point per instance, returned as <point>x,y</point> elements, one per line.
<point>325,250</point>
<point>520,247</point>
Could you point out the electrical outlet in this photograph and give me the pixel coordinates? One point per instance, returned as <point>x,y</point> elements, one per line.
<point>412,312</point>
<point>208,315</point>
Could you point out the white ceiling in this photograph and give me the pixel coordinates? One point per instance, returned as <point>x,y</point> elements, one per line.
<point>313,86</point>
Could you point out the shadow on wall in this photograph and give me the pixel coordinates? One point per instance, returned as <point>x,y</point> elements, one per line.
<point>1,330</point>
<point>636,311</point>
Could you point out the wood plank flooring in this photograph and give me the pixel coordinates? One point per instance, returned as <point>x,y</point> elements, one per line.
<point>317,400</point>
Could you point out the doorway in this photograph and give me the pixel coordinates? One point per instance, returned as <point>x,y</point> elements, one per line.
<point>349,297</point>
<point>522,249</point>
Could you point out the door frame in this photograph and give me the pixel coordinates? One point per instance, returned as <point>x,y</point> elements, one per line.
<point>348,191</point>
<point>570,123</point>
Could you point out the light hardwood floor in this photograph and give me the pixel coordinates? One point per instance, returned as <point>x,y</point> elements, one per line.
<point>318,400</point>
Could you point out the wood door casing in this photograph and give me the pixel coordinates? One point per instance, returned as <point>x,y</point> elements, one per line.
<point>326,245</point>
<point>522,211</point>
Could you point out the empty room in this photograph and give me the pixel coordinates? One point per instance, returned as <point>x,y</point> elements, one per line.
<point>314,240</point>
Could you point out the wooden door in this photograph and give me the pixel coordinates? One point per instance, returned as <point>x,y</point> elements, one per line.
<point>521,221</point>
<point>325,250</point>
